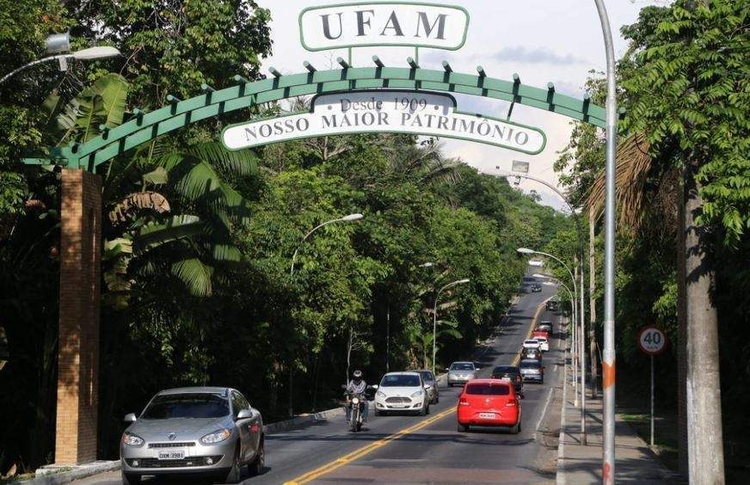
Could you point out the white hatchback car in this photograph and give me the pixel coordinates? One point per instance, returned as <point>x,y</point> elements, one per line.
<point>401,392</point>
<point>531,343</point>
<point>543,344</point>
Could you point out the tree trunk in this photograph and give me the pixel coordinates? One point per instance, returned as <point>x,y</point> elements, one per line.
<point>705,444</point>
<point>682,420</point>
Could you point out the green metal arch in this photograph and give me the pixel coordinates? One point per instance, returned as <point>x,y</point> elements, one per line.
<point>178,114</point>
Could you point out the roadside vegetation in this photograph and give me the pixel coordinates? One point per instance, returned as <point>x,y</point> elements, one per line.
<point>198,242</point>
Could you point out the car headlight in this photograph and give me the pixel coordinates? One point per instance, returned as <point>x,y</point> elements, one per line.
<point>216,437</point>
<point>417,394</point>
<point>131,439</point>
<point>380,394</point>
<point>355,400</point>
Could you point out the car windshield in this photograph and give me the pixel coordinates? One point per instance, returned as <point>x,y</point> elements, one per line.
<point>462,366</point>
<point>504,371</point>
<point>186,406</point>
<point>427,376</point>
<point>400,380</point>
<point>487,390</point>
<point>530,364</point>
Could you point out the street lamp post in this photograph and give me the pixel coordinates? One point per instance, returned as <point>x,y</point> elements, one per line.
<point>349,218</point>
<point>576,341</point>
<point>579,329</point>
<point>100,52</point>
<point>434,317</point>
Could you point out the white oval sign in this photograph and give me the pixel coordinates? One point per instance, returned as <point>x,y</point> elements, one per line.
<point>383,24</point>
<point>651,340</point>
<point>385,111</point>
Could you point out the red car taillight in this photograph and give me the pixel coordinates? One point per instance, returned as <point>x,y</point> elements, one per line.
<point>463,402</point>
<point>510,404</point>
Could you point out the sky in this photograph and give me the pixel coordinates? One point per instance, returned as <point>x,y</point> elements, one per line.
<point>541,40</point>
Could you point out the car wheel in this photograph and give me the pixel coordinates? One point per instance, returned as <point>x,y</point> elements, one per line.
<point>516,429</point>
<point>422,410</point>
<point>130,479</point>
<point>437,398</point>
<point>427,410</point>
<point>259,463</point>
<point>462,427</point>
<point>233,476</point>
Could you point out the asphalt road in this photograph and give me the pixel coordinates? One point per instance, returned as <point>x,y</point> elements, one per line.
<point>429,449</point>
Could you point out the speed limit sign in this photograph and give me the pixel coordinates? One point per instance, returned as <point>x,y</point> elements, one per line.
<point>651,340</point>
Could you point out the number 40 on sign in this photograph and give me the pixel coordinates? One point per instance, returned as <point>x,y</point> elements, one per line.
<point>652,341</point>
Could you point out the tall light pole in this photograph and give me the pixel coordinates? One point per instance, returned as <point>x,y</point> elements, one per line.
<point>61,43</point>
<point>608,364</point>
<point>349,218</point>
<point>579,335</point>
<point>575,302</point>
<point>434,317</point>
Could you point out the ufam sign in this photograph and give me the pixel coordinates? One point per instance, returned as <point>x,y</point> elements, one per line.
<point>383,24</point>
<point>418,113</point>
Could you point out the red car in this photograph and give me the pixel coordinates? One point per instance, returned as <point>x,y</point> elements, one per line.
<point>540,333</point>
<point>489,402</point>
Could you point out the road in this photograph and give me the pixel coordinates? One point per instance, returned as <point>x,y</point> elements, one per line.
<point>429,449</point>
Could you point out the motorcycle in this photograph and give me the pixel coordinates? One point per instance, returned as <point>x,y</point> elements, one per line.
<point>356,402</point>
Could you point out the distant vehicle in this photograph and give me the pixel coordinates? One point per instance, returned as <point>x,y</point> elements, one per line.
<point>553,305</point>
<point>536,288</point>
<point>489,402</point>
<point>543,344</point>
<point>545,325</point>
<point>461,372</point>
<point>531,353</point>
<point>531,343</point>
<point>511,373</point>
<point>403,392</point>
<point>207,431</point>
<point>532,370</point>
<point>430,385</point>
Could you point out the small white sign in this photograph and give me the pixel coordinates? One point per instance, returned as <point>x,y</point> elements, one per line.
<point>651,340</point>
<point>383,24</point>
<point>418,113</point>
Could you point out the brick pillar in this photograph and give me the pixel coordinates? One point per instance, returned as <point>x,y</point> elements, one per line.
<point>78,357</point>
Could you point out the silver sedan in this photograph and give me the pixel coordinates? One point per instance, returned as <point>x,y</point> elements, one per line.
<point>208,431</point>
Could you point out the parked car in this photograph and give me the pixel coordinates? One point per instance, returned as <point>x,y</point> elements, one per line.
<point>532,370</point>
<point>461,372</point>
<point>489,402</point>
<point>401,391</point>
<point>511,373</point>
<point>531,353</point>
<point>531,343</point>
<point>209,431</point>
<point>430,385</point>
<point>543,344</point>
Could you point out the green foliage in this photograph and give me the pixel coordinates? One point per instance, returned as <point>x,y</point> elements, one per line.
<point>690,94</point>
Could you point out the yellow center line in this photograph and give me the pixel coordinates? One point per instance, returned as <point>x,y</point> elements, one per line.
<point>339,462</point>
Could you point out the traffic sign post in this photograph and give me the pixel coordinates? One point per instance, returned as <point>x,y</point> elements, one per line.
<point>652,341</point>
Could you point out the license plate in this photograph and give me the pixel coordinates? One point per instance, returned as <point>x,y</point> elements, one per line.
<point>487,415</point>
<point>171,455</point>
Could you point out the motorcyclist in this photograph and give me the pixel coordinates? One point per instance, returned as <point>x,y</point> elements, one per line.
<point>356,386</point>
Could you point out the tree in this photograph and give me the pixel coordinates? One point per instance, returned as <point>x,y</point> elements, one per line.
<point>690,98</point>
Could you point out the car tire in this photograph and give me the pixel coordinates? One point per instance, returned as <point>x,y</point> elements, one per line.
<point>235,472</point>
<point>422,411</point>
<point>130,479</point>
<point>463,428</point>
<point>437,398</point>
<point>516,429</point>
<point>427,410</point>
<point>259,462</point>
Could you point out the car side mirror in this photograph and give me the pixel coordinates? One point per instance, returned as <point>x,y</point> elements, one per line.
<point>375,386</point>
<point>129,418</point>
<point>245,414</point>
